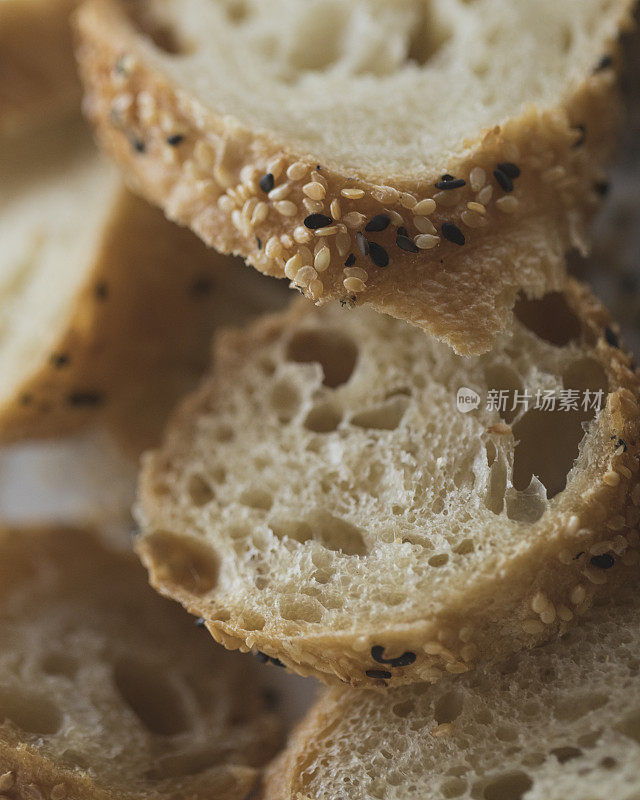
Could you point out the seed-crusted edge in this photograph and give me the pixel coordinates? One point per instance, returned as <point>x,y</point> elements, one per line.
<point>112,335</point>
<point>461,293</point>
<point>543,590</point>
<point>39,76</point>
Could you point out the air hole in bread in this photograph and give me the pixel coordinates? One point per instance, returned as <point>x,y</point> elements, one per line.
<point>589,740</point>
<point>499,377</point>
<point>236,11</point>
<point>439,560</point>
<point>183,764</point>
<point>575,707</point>
<point>72,758</point>
<point>465,547</point>
<point>224,433</point>
<point>200,491</point>
<point>630,726</point>
<point>256,498</point>
<point>322,418</point>
<point>428,35</point>
<point>331,532</point>
<point>320,39</point>
<point>252,620</point>
<point>301,609</point>
<point>284,400</point>
<point>335,352</point>
<point>564,754</point>
<point>60,664</point>
<point>163,36</point>
<point>403,709</point>
<point>497,483</point>
<point>547,447</point>
<point>550,318</point>
<point>448,707</point>
<point>151,697</point>
<point>586,373</point>
<point>511,786</point>
<point>181,562</point>
<point>386,417</point>
<point>453,787</point>
<point>29,711</point>
<point>506,733</point>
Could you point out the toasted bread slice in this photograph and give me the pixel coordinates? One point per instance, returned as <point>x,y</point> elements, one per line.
<point>109,691</point>
<point>347,496</point>
<point>107,308</point>
<point>428,159</point>
<point>38,76</point>
<point>559,723</point>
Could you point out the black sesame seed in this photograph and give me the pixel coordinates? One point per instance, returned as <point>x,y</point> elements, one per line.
<point>510,169</point>
<point>503,179</point>
<point>611,337</point>
<point>378,674</point>
<point>401,661</point>
<point>138,145</point>
<point>378,255</point>
<point>577,556</point>
<point>406,243</point>
<point>601,188</point>
<point>59,360</point>
<point>259,243</point>
<point>315,221</point>
<point>377,223</point>
<point>604,561</point>
<point>453,233</point>
<point>200,622</point>
<point>448,182</point>
<point>604,63</point>
<point>175,139</point>
<point>621,443</point>
<point>26,399</point>
<point>101,291</point>
<point>363,244</point>
<point>351,260</point>
<point>201,286</point>
<point>267,182</point>
<point>583,135</point>
<point>87,398</point>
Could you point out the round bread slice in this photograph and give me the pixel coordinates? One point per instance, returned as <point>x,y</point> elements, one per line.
<point>348,496</point>
<point>108,691</point>
<point>38,77</point>
<point>430,159</point>
<point>559,723</point>
<point>107,308</point>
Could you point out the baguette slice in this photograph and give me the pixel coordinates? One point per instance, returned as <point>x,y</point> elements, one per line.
<point>107,309</point>
<point>38,77</point>
<point>319,140</point>
<point>559,723</point>
<point>108,691</point>
<point>322,499</point>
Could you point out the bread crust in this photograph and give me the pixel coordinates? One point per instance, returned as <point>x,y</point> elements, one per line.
<point>461,294</point>
<point>482,623</point>
<point>136,337</point>
<point>38,78</point>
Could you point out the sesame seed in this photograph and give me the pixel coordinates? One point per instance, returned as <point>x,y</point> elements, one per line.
<point>316,221</point>
<point>539,603</point>
<point>286,241</point>
<point>532,626</point>
<point>352,194</point>
<point>407,200</point>
<point>477,178</point>
<point>611,478</point>
<point>509,169</point>
<point>611,337</point>
<point>477,207</point>
<point>305,275</point>
<point>329,230</point>
<point>595,575</point>
<point>581,131</point>
<point>6,781</point>
<point>273,248</point>
<point>565,614</point>
<point>457,668</point>
<point>426,241</point>
<point>297,171</point>
<point>378,674</point>
<point>506,184</point>
<point>396,219</point>
<point>378,223</point>
<point>225,203</point>
<point>237,220</point>
<point>426,206</point>
<point>473,220</point>
<point>322,259</point>
<point>260,213</point>
<point>351,259</point>
<point>355,272</point>
<point>573,524</point>
<point>363,244</point>
<point>605,62</point>
<point>267,182</point>
<point>424,225</point>
<point>59,360</point>
<point>378,255</point>
<point>484,195</point>
<point>354,285</point>
<point>292,266</point>
<point>600,547</point>
<point>453,233</point>
<point>312,206</point>
<point>275,167</point>
<point>343,243</point>
<point>447,199</point>
<point>407,244</point>
<point>335,208</point>
<point>578,595</point>
<point>175,139</point>
<point>508,205</point>
<point>314,190</point>
<point>354,220</point>
<point>302,235</point>
<point>280,192</point>
<point>553,174</point>
<point>316,176</point>
<point>138,145</point>
<point>624,471</point>
<point>448,182</point>
<point>316,288</point>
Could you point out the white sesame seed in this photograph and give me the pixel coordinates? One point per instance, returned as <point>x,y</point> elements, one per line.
<point>354,285</point>
<point>343,243</point>
<point>286,208</point>
<point>275,167</point>
<point>539,603</point>
<point>564,613</point>
<point>600,547</point>
<point>354,220</point>
<point>564,557</point>
<point>407,200</point>
<point>595,575</point>
<point>352,194</point>
<point>554,174</point>
<point>507,204</point>
<point>473,220</point>
<point>312,206</point>
<point>280,192</point>
<point>322,259</point>
<point>573,524</point>
<point>466,634</point>
<point>616,523</point>
<point>611,478</point>
<point>477,207</point>
<point>247,208</point>
<point>355,272</point>
<point>424,225</point>
<point>248,173</point>
<point>484,195</point>
<point>306,255</point>
<point>273,248</point>
<point>385,194</point>
<point>305,275</point>
<point>477,179</point>
<point>578,595</point>
<point>237,219</point>
<point>437,649</point>
<point>260,213</point>
<point>223,176</point>
<point>624,471</point>
<point>314,190</point>
<point>619,544</point>
<point>316,288</point>
<point>427,206</point>
<point>457,668</point>
<point>319,178</point>
<point>225,203</point>
<point>297,171</point>
<point>335,208</point>
<point>448,198</point>
<point>286,241</point>
<point>548,617</point>
<point>329,230</point>
<point>396,219</point>
<point>425,241</point>
<point>302,235</point>
<point>532,627</point>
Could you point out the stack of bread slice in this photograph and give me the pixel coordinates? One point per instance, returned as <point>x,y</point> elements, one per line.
<point>420,483</point>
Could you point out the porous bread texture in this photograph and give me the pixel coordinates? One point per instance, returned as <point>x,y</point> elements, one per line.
<point>38,78</point>
<point>107,308</point>
<point>354,113</point>
<point>109,691</point>
<point>322,500</point>
<point>559,723</point>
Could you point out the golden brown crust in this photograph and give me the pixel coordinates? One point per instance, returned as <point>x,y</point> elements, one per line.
<point>38,79</point>
<point>543,588</point>
<point>461,294</point>
<point>137,338</point>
